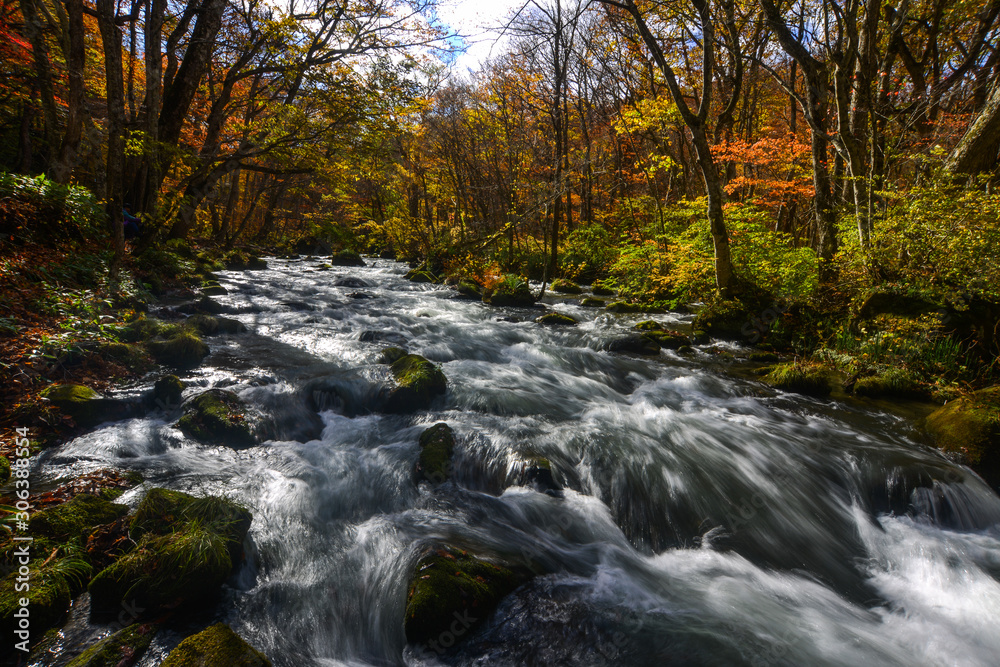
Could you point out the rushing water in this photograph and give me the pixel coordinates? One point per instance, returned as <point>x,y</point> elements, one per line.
<point>707,519</point>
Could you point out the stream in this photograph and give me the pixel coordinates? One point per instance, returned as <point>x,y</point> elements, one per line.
<point>706,518</point>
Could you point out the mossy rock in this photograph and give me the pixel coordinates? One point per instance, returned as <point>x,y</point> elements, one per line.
<point>602,289</point>
<point>418,276</point>
<point>76,517</point>
<point>557,319</point>
<point>255,263</point>
<point>591,302</point>
<point>648,325</point>
<point>437,444</point>
<point>211,325</point>
<point>139,330</point>
<point>800,378</point>
<point>213,288</point>
<point>512,291</point>
<point>633,344</point>
<point>450,585</point>
<point>4,469</point>
<point>82,403</point>
<point>391,355</point>
<point>469,289</point>
<point>668,339</point>
<point>204,306</point>
<point>418,381</point>
<point>729,319</point>
<point>892,383</point>
<point>132,357</point>
<point>183,350</point>
<point>48,601</point>
<point>764,357</point>
<point>346,258</point>
<point>167,392</point>
<point>217,417</point>
<point>216,646</point>
<point>122,649</point>
<point>162,510</point>
<point>969,428</point>
<point>563,286</point>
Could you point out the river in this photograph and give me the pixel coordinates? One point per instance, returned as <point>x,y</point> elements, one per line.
<point>706,518</point>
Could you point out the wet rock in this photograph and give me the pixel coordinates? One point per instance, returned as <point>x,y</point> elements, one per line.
<point>217,646</point>
<point>183,350</point>
<point>418,382</point>
<point>213,288</point>
<point>556,319</point>
<point>563,286</point>
<point>255,263</point>
<point>591,302</point>
<point>204,305</point>
<point>538,475</point>
<point>668,339</point>
<point>627,307</point>
<point>346,258</point>
<point>451,593</point>
<point>969,429</point>
<point>418,276</point>
<point>48,602</point>
<point>685,349</point>
<point>217,417</point>
<point>633,344</point>
<point>373,336</point>
<point>122,649</point>
<point>186,548</point>
<point>800,378</point>
<point>437,444</point>
<point>391,355</point>
<point>84,405</point>
<point>167,392</point>
<point>648,325</point>
<point>75,518</point>
<point>360,295</point>
<point>210,325</point>
<point>296,305</point>
<point>350,281</point>
<point>512,291</point>
<point>469,290</point>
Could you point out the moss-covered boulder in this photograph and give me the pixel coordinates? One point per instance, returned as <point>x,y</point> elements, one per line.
<point>764,357</point>
<point>801,378</point>
<point>563,286</point>
<point>255,263</point>
<point>75,518</point>
<point>167,392</point>
<point>48,602</point>
<point>633,344</point>
<point>451,593</point>
<point>728,319</point>
<point>648,325</point>
<point>204,306</point>
<point>213,288</point>
<point>418,381</point>
<point>969,429</point>
<point>891,383</point>
<point>591,302</point>
<point>668,339</point>
<point>218,417</point>
<point>603,289</point>
<point>212,325</point>
<point>420,276</point>
<point>216,646</point>
<point>437,444</point>
<point>122,649</point>
<point>557,319</point>
<point>512,291</point>
<point>187,547</point>
<point>469,290</point>
<point>346,258</point>
<point>183,350</point>
<point>83,404</point>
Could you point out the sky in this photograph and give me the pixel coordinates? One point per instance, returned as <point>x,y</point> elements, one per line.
<point>479,21</point>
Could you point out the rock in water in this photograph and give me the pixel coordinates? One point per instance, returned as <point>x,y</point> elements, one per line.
<point>418,381</point>
<point>216,646</point>
<point>346,258</point>
<point>969,427</point>
<point>556,319</point>
<point>183,350</point>
<point>633,344</point>
<point>437,444</point>
<point>217,417</point>
<point>125,647</point>
<point>452,592</point>
<point>83,404</point>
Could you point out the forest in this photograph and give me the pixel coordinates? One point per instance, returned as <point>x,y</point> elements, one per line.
<point>801,195</point>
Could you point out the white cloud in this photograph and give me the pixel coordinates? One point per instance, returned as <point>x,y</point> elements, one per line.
<point>480,23</point>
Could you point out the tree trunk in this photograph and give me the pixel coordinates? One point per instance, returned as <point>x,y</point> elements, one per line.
<point>112,42</point>
<point>43,73</point>
<point>62,169</point>
<point>978,150</point>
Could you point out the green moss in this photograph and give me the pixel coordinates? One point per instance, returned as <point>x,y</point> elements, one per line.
<point>556,319</point>
<point>391,355</point>
<point>164,571</point>
<point>649,325</point>
<point>4,469</point>
<point>211,325</point>
<point>668,339</point>
<point>163,510</point>
<point>591,302</point>
<point>216,646</point>
<point>564,286</point>
<point>601,288</point>
<point>800,378</point>
<point>625,307</point>
<point>217,417</point>
<point>512,291</point>
<point>83,404</point>
<point>894,382</point>
<point>764,357</point>
<point>418,382</point>
<point>125,647</point>
<point>469,289</point>
<point>167,391</point>
<point>346,258</point>
<point>450,584</point>
<point>48,600</point>
<point>437,444</point>
<point>183,350</point>
<point>969,427</point>
<point>418,276</point>
<point>213,288</point>
<point>723,319</point>
<point>76,517</point>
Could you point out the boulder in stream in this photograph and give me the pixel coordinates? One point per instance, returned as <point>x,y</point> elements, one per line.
<point>216,646</point>
<point>809,379</point>
<point>633,344</point>
<point>346,258</point>
<point>125,647</point>
<point>84,405</point>
<point>418,382</point>
<point>350,281</point>
<point>511,291</point>
<point>557,319</point>
<point>211,325</point>
<point>218,417</point>
<point>420,276</point>
<point>563,286</point>
<point>468,289</point>
<point>437,444</point>
<point>969,429</point>
<point>183,350</point>
<point>452,592</point>
<point>591,302</point>
<point>391,355</point>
